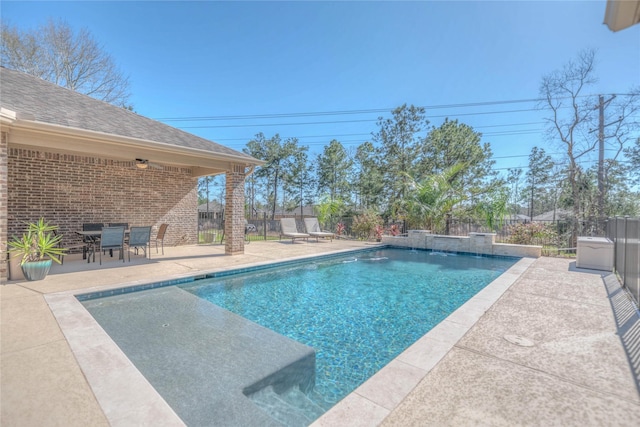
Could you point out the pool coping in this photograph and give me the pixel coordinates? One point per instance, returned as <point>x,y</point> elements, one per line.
<point>106,367</point>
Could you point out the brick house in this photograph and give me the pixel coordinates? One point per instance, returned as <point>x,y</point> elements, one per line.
<point>72,159</point>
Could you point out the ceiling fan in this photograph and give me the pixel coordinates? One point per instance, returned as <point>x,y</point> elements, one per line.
<point>144,164</point>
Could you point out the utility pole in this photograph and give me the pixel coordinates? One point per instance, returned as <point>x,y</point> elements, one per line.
<point>601,190</point>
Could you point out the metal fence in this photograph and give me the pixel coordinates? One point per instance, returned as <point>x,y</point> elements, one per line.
<point>211,228</point>
<point>625,234</point>
<point>562,239</point>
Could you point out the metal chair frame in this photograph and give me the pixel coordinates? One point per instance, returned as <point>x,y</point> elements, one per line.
<point>91,241</point>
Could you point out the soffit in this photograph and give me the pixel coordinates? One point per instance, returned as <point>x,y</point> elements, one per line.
<point>622,14</point>
<point>26,133</point>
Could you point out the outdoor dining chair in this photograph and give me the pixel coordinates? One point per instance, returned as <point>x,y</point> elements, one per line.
<point>70,247</point>
<point>119,224</point>
<point>91,241</point>
<point>140,238</point>
<point>160,236</point>
<point>112,238</point>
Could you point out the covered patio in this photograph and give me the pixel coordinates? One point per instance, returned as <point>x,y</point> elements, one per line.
<point>71,159</point>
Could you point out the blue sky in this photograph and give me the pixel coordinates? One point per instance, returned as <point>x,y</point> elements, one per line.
<point>220,59</point>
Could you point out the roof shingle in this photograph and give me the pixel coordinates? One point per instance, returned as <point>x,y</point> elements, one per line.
<point>49,103</point>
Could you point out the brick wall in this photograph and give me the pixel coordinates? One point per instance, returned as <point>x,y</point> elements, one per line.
<point>234,211</point>
<point>4,273</point>
<point>68,190</point>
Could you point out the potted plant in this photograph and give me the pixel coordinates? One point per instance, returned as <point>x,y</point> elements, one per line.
<point>38,247</point>
<point>340,229</point>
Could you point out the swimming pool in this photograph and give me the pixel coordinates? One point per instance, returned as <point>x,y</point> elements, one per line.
<point>358,311</point>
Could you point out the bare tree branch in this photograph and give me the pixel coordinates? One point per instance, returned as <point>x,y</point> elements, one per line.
<point>74,60</point>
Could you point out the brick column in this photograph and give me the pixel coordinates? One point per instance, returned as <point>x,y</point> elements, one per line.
<point>4,194</point>
<point>234,211</point>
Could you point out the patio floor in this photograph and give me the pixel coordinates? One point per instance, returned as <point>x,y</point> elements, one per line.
<point>582,367</point>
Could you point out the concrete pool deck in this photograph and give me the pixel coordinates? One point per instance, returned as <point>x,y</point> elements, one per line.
<point>576,372</point>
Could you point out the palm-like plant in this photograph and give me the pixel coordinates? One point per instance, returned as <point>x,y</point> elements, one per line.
<point>432,199</point>
<point>493,208</point>
<point>327,209</point>
<point>38,243</point>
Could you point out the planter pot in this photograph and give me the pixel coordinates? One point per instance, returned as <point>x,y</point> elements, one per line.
<point>37,270</point>
<point>15,272</point>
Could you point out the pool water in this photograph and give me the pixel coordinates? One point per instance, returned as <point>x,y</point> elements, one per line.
<point>359,311</point>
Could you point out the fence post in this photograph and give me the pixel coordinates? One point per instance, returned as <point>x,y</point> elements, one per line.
<point>624,258</point>
<point>612,234</point>
<point>264,225</point>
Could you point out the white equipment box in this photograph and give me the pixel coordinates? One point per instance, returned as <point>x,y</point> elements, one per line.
<point>595,253</point>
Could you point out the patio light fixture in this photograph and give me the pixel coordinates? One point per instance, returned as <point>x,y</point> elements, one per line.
<point>142,163</point>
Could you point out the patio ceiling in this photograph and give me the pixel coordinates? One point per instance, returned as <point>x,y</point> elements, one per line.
<point>621,14</point>
<point>24,131</point>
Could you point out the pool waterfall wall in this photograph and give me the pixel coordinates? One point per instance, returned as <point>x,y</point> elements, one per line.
<point>474,243</point>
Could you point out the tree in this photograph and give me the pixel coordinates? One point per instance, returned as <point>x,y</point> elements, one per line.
<point>399,138</point>
<point>538,176</point>
<point>299,182</point>
<point>633,156</point>
<point>513,179</point>
<point>620,200</point>
<point>334,171</point>
<point>211,188</point>
<point>279,157</point>
<point>74,60</point>
<point>453,143</point>
<point>571,115</point>
<point>573,122</point>
<point>368,182</point>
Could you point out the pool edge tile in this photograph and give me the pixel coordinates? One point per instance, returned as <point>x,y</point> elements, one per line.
<point>93,347</point>
<point>353,411</point>
<point>389,386</point>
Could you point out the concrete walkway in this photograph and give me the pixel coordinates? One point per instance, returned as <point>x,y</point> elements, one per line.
<point>573,368</point>
<point>568,366</point>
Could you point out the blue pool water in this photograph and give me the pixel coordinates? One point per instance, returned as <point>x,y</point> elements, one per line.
<point>359,311</point>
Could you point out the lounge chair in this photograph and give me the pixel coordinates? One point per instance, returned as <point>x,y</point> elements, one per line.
<point>313,228</point>
<point>288,229</point>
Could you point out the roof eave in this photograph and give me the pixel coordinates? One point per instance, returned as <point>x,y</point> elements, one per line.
<point>67,138</point>
<point>621,14</point>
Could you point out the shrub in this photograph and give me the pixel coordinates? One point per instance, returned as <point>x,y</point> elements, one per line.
<point>365,224</point>
<point>532,233</point>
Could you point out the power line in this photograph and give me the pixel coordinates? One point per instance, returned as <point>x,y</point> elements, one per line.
<point>369,134</point>
<point>359,111</point>
<point>349,121</point>
<point>343,112</point>
<point>557,164</point>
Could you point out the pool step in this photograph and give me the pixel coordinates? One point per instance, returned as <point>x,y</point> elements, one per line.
<point>292,408</point>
